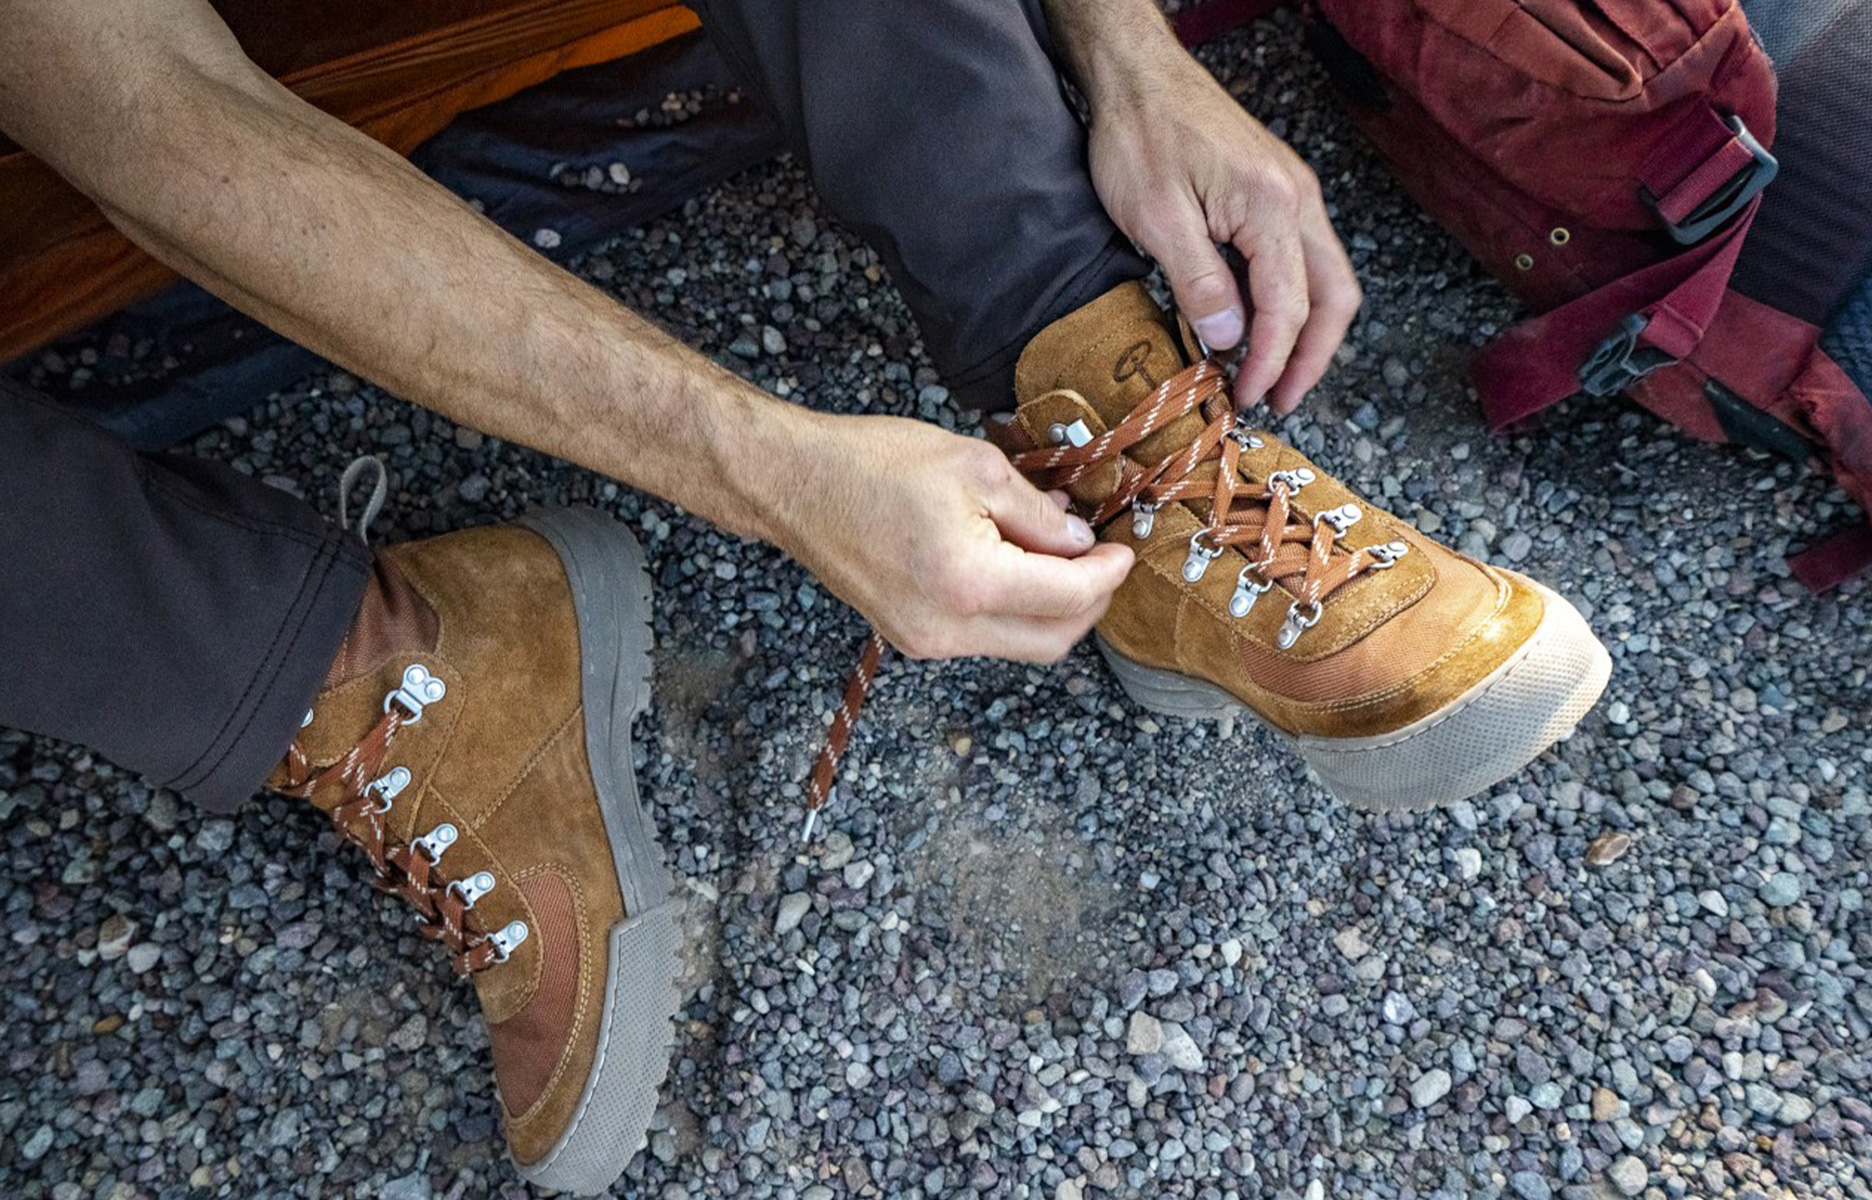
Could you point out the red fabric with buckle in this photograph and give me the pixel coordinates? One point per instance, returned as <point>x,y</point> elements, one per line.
<point>1705,156</point>
<point>1772,361</point>
<point>1536,364</point>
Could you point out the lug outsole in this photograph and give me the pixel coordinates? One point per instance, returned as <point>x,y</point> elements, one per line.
<point>1487,735</point>
<point>611,596</point>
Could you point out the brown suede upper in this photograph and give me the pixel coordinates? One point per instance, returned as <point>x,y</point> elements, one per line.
<point>1391,647</point>
<point>502,757</point>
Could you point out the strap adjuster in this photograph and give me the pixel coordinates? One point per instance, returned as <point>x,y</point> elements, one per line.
<point>1620,361</point>
<point>1727,199</point>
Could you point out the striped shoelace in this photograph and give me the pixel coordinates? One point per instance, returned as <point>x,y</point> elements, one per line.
<point>1284,546</point>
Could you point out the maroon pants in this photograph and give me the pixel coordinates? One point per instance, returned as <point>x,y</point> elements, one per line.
<point>177,616</point>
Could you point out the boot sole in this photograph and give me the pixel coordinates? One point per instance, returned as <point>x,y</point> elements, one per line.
<point>611,597</point>
<point>1485,736</point>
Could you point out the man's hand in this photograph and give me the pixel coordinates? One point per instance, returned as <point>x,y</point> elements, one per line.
<point>941,543</point>
<point>150,108</point>
<point>1180,167</point>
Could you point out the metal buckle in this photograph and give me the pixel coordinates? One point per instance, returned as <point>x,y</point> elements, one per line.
<point>1729,199</point>
<point>1620,361</point>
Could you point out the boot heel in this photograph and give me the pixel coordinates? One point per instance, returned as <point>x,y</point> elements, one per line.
<point>1169,693</point>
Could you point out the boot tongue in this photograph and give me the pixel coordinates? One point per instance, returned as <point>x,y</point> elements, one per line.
<point>1115,352</point>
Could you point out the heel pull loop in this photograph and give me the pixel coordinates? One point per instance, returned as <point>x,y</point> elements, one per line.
<point>380,491</point>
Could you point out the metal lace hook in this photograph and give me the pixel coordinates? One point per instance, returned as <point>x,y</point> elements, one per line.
<point>380,491</point>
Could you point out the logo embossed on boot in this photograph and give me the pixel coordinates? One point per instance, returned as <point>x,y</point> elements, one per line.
<point>1134,361</point>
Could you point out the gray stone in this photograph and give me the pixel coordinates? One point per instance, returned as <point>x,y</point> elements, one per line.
<point>793,909</point>
<point>1430,1087</point>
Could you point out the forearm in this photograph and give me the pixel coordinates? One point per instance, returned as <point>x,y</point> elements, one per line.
<point>1114,48</point>
<point>339,244</point>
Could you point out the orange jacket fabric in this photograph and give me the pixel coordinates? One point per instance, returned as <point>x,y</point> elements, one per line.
<point>398,72</point>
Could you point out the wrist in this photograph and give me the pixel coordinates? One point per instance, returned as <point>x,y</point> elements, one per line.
<point>1122,56</point>
<point>770,453</point>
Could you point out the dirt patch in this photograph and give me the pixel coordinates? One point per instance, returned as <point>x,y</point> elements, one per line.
<point>1027,899</point>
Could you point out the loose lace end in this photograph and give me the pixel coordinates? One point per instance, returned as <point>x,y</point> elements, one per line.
<point>819,788</point>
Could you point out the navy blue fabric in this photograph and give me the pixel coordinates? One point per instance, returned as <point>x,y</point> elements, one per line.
<point>1849,338</point>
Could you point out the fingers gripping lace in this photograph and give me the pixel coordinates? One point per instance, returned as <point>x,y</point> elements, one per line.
<point>1283,546</point>
<point>402,869</point>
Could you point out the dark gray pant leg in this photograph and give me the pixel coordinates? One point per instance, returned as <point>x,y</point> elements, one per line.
<point>171,614</point>
<point>938,131</point>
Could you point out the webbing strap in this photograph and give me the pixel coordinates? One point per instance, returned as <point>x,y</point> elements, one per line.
<point>1709,168</point>
<point>1824,567</point>
<point>1538,363</point>
<point>1710,171</point>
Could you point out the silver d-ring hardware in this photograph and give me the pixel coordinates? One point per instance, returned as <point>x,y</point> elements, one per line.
<point>1299,620</point>
<point>1293,480</point>
<point>1247,591</point>
<point>437,840</point>
<point>1342,518</point>
<point>473,888</point>
<point>419,688</point>
<point>507,940</point>
<point>387,786</point>
<point>1143,518</point>
<point>1239,433</point>
<point>1387,554</point>
<point>1200,556</point>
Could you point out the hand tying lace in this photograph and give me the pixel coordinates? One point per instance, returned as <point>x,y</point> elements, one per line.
<point>1282,545</point>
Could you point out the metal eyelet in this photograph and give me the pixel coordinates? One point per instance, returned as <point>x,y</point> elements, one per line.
<point>1387,554</point>
<point>388,786</point>
<point>473,888</point>
<point>437,840</point>
<point>507,940</point>
<point>1240,434</point>
<point>1292,480</point>
<point>1077,434</point>
<point>1246,592</point>
<point>1200,556</point>
<point>308,718</point>
<point>1143,518</point>
<point>419,689</point>
<point>1342,518</point>
<point>1299,620</point>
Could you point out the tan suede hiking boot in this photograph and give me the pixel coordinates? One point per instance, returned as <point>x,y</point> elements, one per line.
<point>1406,674</point>
<point>474,740</point>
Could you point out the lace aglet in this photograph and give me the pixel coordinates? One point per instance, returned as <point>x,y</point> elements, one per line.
<point>812,822</point>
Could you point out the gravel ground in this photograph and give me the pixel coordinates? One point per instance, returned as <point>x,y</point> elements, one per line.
<point>1052,948</point>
